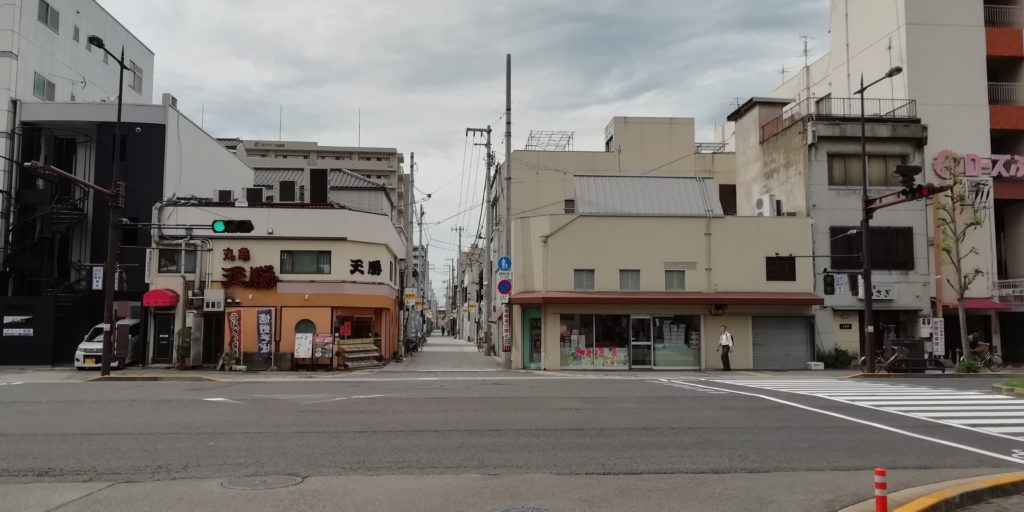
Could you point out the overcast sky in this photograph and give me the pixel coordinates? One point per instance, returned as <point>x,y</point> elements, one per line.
<point>422,71</point>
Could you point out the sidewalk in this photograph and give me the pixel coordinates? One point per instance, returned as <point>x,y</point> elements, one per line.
<point>445,354</point>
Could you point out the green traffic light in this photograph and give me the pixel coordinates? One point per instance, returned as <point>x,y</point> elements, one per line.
<point>219,226</point>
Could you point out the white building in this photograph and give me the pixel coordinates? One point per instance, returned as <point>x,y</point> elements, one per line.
<point>963,63</point>
<point>45,57</point>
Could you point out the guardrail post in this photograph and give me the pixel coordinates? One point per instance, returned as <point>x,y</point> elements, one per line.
<point>881,491</point>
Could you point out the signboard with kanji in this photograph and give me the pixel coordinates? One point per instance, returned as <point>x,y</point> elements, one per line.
<point>323,346</point>
<point>409,296</point>
<point>235,330</point>
<point>303,345</point>
<point>939,335</point>
<point>262,277</point>
<point>265,332</point>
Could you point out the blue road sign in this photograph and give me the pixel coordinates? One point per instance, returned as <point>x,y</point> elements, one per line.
<point>504,263</point>
<point>504,286</point>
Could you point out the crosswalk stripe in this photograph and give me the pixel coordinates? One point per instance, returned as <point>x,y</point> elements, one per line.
<point>997,415</point>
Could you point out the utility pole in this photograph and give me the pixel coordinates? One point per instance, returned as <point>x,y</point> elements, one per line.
<point>506,356</point>
<point>424,270</point>
<point>410,203</point>
<point>485,308</point>
<point>460,268</point>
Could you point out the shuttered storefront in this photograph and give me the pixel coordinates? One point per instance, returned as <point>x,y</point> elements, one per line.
<point>781,343</point>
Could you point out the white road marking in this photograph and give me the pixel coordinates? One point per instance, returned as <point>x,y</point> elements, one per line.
<point>225,400</point>
<point>871,424</point>
<point>10,383</point>
<point>340,398</point>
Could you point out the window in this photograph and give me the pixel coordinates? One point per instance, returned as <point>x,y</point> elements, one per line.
<point>727,196</point>
<point>43,88</point>
<point>169,261</point>
<point>136,82</point>
<point>629,280</point>
<point>570,206</point>
<point>286,191</point>
<point>305,262</point>
<point>892,248</point>
<point>848,170</point>
<point>49,16</point>
<point>74,34</point>
<point>675,280</point>
<point>780,268</point>
<point>583,279</point>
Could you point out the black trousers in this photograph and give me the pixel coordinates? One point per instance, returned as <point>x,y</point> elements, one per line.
<point>725,358</point>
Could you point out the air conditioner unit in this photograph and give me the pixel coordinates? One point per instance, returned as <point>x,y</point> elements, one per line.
<point>764,206</point>
<point>254,195</point>
<point>224,196</point>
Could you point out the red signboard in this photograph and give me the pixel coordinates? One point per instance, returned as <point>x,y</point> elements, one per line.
<point>235,328</point>
<point>345,329</point>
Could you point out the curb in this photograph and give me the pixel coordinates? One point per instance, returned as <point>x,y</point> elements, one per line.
<point>153,378</point>
<point>948,496</point>
<point>948,375</point>
<point>1008,390</point>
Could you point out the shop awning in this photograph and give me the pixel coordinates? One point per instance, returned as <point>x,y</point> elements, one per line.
<point>988,304</point>
<point>495,316</point>
<point>160,298</point>
<point>670,298</point>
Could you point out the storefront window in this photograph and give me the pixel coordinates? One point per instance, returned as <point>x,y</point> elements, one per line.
<point>677,341</point>
<point>594,341</point>
<point>355,326</point>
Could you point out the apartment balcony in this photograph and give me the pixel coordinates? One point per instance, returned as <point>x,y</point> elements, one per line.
<point>875,110</point>
<point>1003,35</point>
<point>1011,292</point>
<point>1006,105</point>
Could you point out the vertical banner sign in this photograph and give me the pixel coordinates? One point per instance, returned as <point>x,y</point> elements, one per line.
<point>148,278</point>
<point>97,278</point>
<point>265,326</point>
<point>506,334</point>
<point>939,336</point>
<point>235,328</point>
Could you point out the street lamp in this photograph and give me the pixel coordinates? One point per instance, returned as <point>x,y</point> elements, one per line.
<point>865,225</point>
<point>116,207</point>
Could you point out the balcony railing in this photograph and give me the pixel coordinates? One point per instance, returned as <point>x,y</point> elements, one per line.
<point>1011,291</point>
<point>825,108</point>
<point>1005,93</point>
<point>1007,16</point>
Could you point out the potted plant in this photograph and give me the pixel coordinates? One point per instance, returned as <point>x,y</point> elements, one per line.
<point>184,349</point>
<point>227,359</point>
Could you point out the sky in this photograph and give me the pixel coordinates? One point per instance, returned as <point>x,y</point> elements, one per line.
<point>421,71</point>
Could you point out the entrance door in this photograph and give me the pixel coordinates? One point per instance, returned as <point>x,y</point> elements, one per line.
<point>641,346</point>
<point>532,338</point>
<point>164,331</point>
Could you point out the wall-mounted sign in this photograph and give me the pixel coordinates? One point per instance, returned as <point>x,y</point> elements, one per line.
<point>880,291</point>
<point>97,278</point>
<point>235,329</point>
<point>243,254</point>
<point>356,267</point>
<point>973,166</point>
<point>262,277</point>
<point>845,327</point>
<point>265,328</point>
<point>24,331</point>
<point>409,296</point>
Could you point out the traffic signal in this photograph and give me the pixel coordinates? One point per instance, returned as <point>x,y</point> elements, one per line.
<point>922,191</point>
<point>232,226</point>
<point>829,282</point>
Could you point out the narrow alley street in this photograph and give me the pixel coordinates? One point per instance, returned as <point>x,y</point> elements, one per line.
<point>446,354</point>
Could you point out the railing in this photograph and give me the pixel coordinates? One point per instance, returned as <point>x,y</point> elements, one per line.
<point>1011,291</point>
<point>824,108</point>
<point>1004,16</point>
<point>1005,93</point>
<point>710,147</point>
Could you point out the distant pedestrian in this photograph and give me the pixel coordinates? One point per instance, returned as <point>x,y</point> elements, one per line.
<point>442,330</point>
<point>725,343</point>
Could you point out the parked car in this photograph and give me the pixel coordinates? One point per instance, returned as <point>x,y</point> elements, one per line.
<point>89,354</point>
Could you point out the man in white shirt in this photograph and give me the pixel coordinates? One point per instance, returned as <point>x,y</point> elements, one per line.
<point>725,346</point>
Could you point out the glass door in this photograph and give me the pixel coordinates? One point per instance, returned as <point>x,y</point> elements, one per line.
<point>641,348</point>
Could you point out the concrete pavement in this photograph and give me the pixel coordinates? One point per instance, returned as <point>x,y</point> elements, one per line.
<point>445,353</point>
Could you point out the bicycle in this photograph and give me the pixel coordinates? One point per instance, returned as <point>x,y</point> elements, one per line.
<point>881,362</point>
<point>992,360</point>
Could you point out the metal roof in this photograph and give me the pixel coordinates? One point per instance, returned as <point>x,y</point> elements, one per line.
<point>336,178</point>
<point>646,195</point>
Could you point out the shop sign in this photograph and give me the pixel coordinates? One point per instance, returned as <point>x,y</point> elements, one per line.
<point>235,328</point>
<point>243,254</point>
<point>97,278</point>
<point>262,277</point>
<point>265,326</point>
<point>323,346</point>
<point>25,331</point>
<point>974,166</point>
<point>419,304</point>
<point>845,327</point>
<point>409,296</point>
<point>147,274</point>
<point>374,267</point>
<point>939,335</point>
<point>506,332</point>
<point>345,329</point>
<point>882,291</point>
<point>303,345</point>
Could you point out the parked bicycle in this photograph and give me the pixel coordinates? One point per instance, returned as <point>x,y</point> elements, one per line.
<point>882,362</point>
<point>992,360</point>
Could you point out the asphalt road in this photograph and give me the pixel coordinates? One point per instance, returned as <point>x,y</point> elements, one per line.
<point>481,439</point>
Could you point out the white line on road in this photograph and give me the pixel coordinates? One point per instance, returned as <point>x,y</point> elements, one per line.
<point>972,414</point>
<point>871,424</point>
<point>340,398</point>
<point>985,407</point>
<point>224,400</point>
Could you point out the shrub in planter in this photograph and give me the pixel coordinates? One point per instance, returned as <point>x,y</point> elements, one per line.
<point>184,349</point>
<point>836,358</point>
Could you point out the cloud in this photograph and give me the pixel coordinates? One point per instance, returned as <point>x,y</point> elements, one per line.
<point>421,71</point>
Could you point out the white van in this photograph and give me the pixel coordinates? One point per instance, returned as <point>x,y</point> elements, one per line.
<point>89,354</point>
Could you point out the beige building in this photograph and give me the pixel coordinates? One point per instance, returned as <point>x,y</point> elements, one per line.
<point>632,257</point>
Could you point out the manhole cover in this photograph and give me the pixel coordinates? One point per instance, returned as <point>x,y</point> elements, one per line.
<point>255,483</point>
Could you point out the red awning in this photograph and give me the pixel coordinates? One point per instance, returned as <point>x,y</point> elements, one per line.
<point>495,317</point>
<point>160,298</point>
<point>670,298</point>
<point>982,304</point>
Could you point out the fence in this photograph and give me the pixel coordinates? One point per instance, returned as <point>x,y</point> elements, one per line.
<point>1005,93</point>
<point>1011,291</point>
<point>874,109</point>
<point>1006,16</point>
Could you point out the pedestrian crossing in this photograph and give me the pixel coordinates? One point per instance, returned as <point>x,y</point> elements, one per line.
<point>992,414</point>
<point>682,384</point>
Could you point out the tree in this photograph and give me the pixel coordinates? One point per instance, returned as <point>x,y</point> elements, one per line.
<point>954,229</point>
